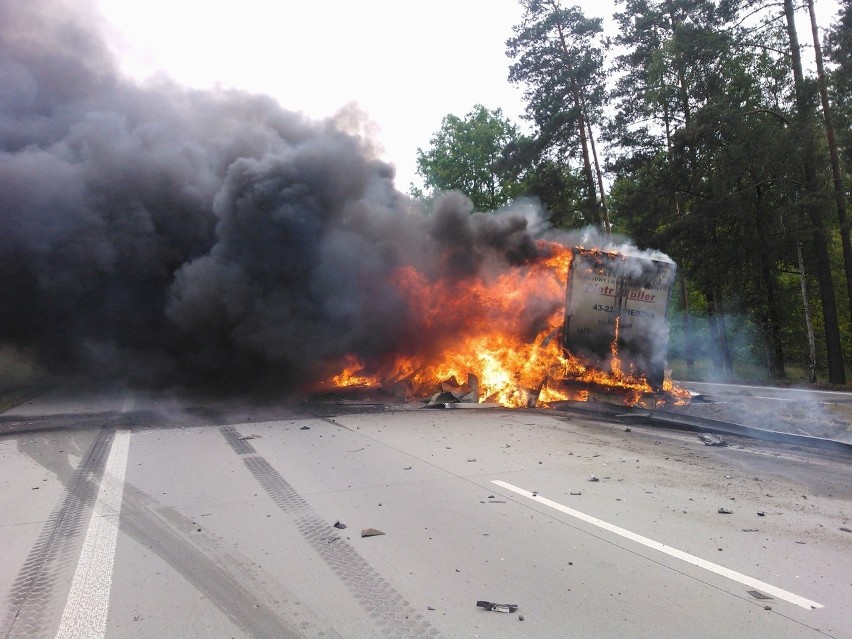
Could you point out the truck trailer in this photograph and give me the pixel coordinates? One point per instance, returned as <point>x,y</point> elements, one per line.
<point>616,311</point>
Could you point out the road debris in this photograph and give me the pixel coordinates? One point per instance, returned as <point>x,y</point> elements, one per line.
<point>429,608</point>
<point>593,478</point>
<point>845,529</point>
<point>749,529</point>
<point>576,492</point>
<point>520,617</point>
<point>760,513</point>
<point>305,428</point>
<point>725,511</point>
<point>339,525</point>
<point>451,392</point>
<point>711,439</point>
<point>497,607</point>
<point>371,532</point>
<point>252,436</point>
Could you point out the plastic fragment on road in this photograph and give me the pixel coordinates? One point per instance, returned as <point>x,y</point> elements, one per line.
<point>252,436</point>
<point>339,525</point>
<point>725,511</point>
<point>593,478</point>
<point>497,607</point>
<point>757,594</point>
<point>845,529</point>
<point>371,532</point>
<point>305,428</point>
<point>711,439</point>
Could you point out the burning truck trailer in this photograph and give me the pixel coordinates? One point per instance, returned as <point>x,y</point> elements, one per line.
<point>616,314</point>
<point>573,324</point>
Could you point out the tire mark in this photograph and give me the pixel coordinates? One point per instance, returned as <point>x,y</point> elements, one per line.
<point>234,439</point>
<point>52,557</point>
<point>228,580</point>
<point>388,609</point>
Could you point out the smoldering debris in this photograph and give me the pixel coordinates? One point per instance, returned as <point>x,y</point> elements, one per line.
<point>712,439</point>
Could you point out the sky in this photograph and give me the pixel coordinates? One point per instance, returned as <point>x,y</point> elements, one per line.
<point>405,64</point>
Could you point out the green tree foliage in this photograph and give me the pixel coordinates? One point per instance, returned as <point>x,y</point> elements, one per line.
<point>716,152</point>
<point>558,58</point>
<point>705,137</point>
<point>839,52</point>
<point>468,155</point>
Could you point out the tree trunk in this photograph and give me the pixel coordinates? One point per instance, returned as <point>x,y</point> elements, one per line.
<point>577,98</point>
<point>604,210</point>
<point>839,194</point>
<point>834,349</point>
<point>687,334</point>
<point>724,345</point>
<point>806,305</point>
<point>770,320</point>
<point>721,354</point>
<point>684,298</point>
<point>713,327</point>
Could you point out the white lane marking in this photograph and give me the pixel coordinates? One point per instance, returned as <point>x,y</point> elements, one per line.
<point>85,614</point>
<point>769,589</point>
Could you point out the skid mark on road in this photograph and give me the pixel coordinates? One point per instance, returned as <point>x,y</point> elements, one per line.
<point>751,582</point>
<point>235,441</point>
<point>249,597</point>
<point>49,562</point>
<point>388,609</point>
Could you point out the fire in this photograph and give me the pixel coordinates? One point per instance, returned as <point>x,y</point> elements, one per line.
<point>503,329</point>
<point>349,375</point>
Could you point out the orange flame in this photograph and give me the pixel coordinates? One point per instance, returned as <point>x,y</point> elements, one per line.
<point>503,328</point>
<point>349,375</point>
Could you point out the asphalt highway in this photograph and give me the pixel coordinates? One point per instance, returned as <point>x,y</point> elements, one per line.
<point>768,392</point>
<point>135,516</point>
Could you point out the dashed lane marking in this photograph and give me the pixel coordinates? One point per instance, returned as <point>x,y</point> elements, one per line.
<point>751,582</point>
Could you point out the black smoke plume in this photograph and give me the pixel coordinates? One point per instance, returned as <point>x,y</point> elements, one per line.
<point>153,234</point>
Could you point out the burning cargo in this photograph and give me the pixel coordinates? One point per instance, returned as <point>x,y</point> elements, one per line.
<point>615,312</point>
<point>565,324</point>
